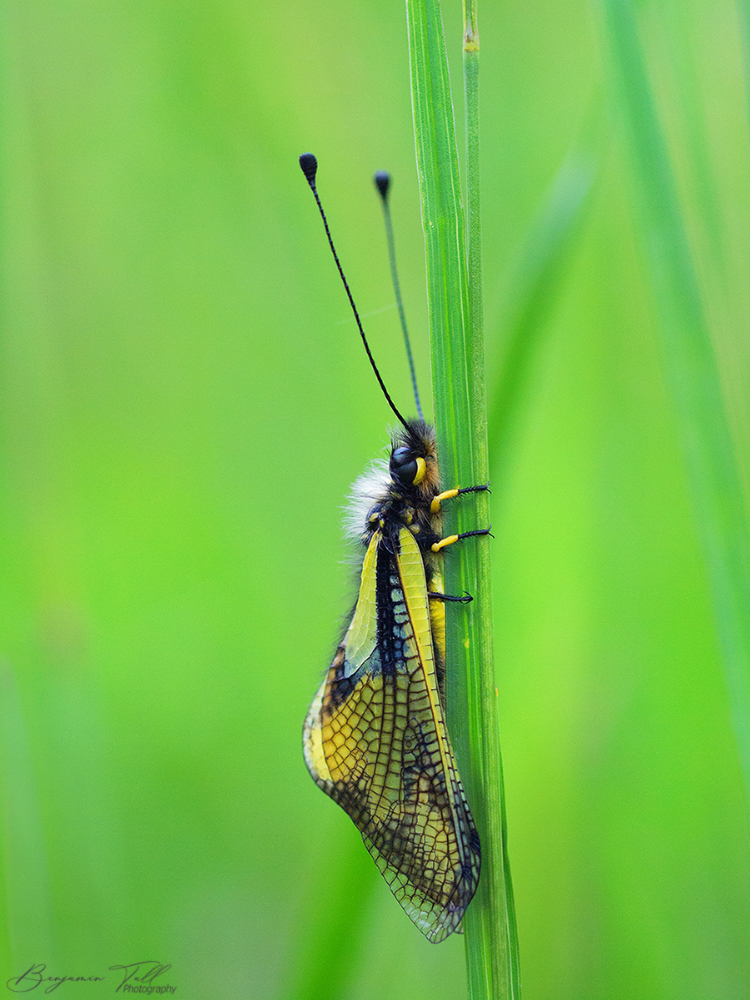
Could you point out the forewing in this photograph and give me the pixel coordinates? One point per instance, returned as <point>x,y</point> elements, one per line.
<point>376,742</point>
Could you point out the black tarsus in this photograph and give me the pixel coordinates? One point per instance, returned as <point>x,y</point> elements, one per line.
<point>451,597</point>
<point>485,488</point>
<point>382,183</point>
<point>309,165</point>
<point>478,531</point>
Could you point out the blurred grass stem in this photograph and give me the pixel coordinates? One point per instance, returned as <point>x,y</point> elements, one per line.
<point>692,371</point>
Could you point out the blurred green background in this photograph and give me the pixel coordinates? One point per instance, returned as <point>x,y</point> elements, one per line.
<point>185,403</point>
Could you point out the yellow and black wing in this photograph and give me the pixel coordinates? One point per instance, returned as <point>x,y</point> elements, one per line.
<point>376,742</point>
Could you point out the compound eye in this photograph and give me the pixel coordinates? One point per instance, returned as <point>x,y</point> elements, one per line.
<point>404,466</point>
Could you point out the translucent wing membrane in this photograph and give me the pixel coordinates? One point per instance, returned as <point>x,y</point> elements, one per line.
<point>376,742</point>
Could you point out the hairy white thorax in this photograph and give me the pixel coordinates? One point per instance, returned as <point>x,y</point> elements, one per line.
<point>366,490</point>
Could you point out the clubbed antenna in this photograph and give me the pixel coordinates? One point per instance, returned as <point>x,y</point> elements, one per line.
<point>382,183</point>
<point>309,168</point>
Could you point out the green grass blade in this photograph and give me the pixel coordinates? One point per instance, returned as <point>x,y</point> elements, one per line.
<point>461,421</point>
<point>691,370</point>
<point>473,187</point>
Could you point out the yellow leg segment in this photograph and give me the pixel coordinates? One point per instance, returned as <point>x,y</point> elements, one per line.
<point>445,541</point>
<point>448,495</point>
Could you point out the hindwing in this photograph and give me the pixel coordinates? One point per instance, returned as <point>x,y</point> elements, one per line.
<point>376,740</point>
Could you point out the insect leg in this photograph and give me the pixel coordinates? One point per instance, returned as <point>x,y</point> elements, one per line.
<point>451,539</point>
<point>450,494</point>
<point>450,597</point>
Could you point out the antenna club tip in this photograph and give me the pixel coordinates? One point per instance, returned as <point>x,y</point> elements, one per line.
<point>382,183</point>
<point>309,166</point>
